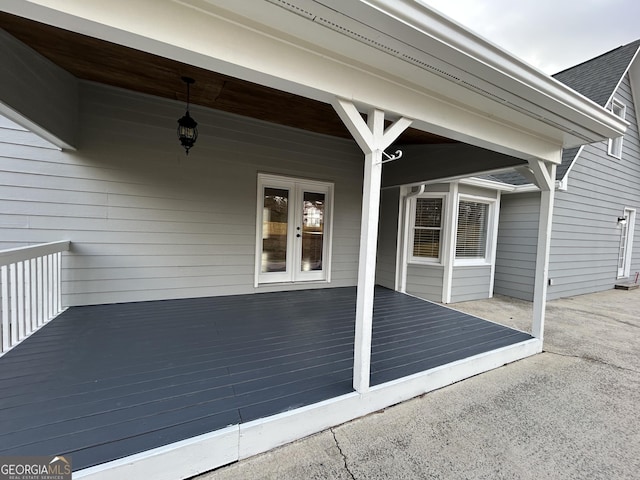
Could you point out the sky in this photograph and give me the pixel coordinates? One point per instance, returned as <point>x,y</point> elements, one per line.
<point>551,35</point>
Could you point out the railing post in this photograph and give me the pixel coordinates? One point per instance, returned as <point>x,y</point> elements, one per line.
<point>56,279</point>
<point>4,276</point>
<point>27,296</point>
<point>40,290</point>
<point>33,285</point>
<point>13,296</point>
<point>50,285</point>
<point>22,327</point>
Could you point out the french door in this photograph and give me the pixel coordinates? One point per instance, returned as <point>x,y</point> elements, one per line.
<point>293,232</point>
<point>626,242</point>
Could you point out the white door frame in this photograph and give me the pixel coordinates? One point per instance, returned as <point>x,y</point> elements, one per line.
<point>296,188</point>
<point>626,242</point>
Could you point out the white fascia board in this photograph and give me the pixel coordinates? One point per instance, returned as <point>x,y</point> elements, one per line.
<point>389,48</point>
<point>261,42</point>
<point>503,70</point>
<point>461,179</point>
<point>565,180</point>
<point>488,184</point>
<point>627,70</point>
<point>530,187</point>
<point>634,80</point>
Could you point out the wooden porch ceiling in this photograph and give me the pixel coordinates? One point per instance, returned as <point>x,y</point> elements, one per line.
<point>96,60</point>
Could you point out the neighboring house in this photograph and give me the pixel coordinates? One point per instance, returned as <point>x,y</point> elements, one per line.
<point>101,212</point>
<point>471,238</point>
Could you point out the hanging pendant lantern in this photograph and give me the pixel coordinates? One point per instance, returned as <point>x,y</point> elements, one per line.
<point>187,126</point>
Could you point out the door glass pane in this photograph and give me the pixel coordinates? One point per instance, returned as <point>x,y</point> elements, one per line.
<point>275,214</point>
<point>622,255</point>
<point>312,231</point>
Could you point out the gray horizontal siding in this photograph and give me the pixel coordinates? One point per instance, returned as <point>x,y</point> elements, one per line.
<point>586,238</point>
<point>388,238</point>
<point>516,251</point>
<point>425,281</point>
<point>148,222</point>
<point>470,283</point>
<point>39,90</point>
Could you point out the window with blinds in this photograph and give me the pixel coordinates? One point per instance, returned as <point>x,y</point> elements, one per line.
<point>472,229</point>
<point>427,225</point>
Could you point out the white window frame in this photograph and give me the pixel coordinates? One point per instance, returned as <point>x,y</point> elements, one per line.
<point>295,186</point>
<point>490,240</point>
<point>614,148</point>
<point>412,224</point>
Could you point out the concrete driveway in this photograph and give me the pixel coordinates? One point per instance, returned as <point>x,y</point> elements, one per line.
<point>572,412</point>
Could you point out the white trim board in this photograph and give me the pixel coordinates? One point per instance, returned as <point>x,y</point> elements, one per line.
<point>206,452</point>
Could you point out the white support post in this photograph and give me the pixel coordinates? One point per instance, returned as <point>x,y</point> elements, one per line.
<point>545,176</point>
<point>372,139</point>
<point>449,240</point>
<point>367,270</point>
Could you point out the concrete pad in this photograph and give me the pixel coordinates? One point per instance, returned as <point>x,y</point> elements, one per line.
<point>543,417</point>
<point>603,326</point>
<point>315,457</point>
<point>569,413</point>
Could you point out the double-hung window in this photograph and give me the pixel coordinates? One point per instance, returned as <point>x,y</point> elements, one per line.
<point>615,144</point>
<point>426,231</point>
<point>473,231</point>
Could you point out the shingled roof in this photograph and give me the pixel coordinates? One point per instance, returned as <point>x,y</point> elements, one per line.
<point>596,79</point>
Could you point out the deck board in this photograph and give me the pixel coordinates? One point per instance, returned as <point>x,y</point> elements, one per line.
<point>107,381</point>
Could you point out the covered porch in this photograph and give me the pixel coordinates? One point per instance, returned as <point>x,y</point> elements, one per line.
<point>248,372</point>
<point>177,354</point>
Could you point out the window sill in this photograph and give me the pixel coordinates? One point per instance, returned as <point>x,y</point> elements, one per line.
<point>472,263</point>
<point>277,283</point>
<point>425,263</point>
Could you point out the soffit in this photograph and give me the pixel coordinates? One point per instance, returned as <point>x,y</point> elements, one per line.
<point>92,59</point>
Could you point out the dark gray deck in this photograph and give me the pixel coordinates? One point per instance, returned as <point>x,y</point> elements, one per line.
<point>103,382</point>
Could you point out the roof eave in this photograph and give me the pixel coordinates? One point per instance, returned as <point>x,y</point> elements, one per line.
<point>584,117</point>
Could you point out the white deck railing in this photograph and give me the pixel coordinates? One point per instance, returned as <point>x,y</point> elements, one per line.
<point>29,290</point>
